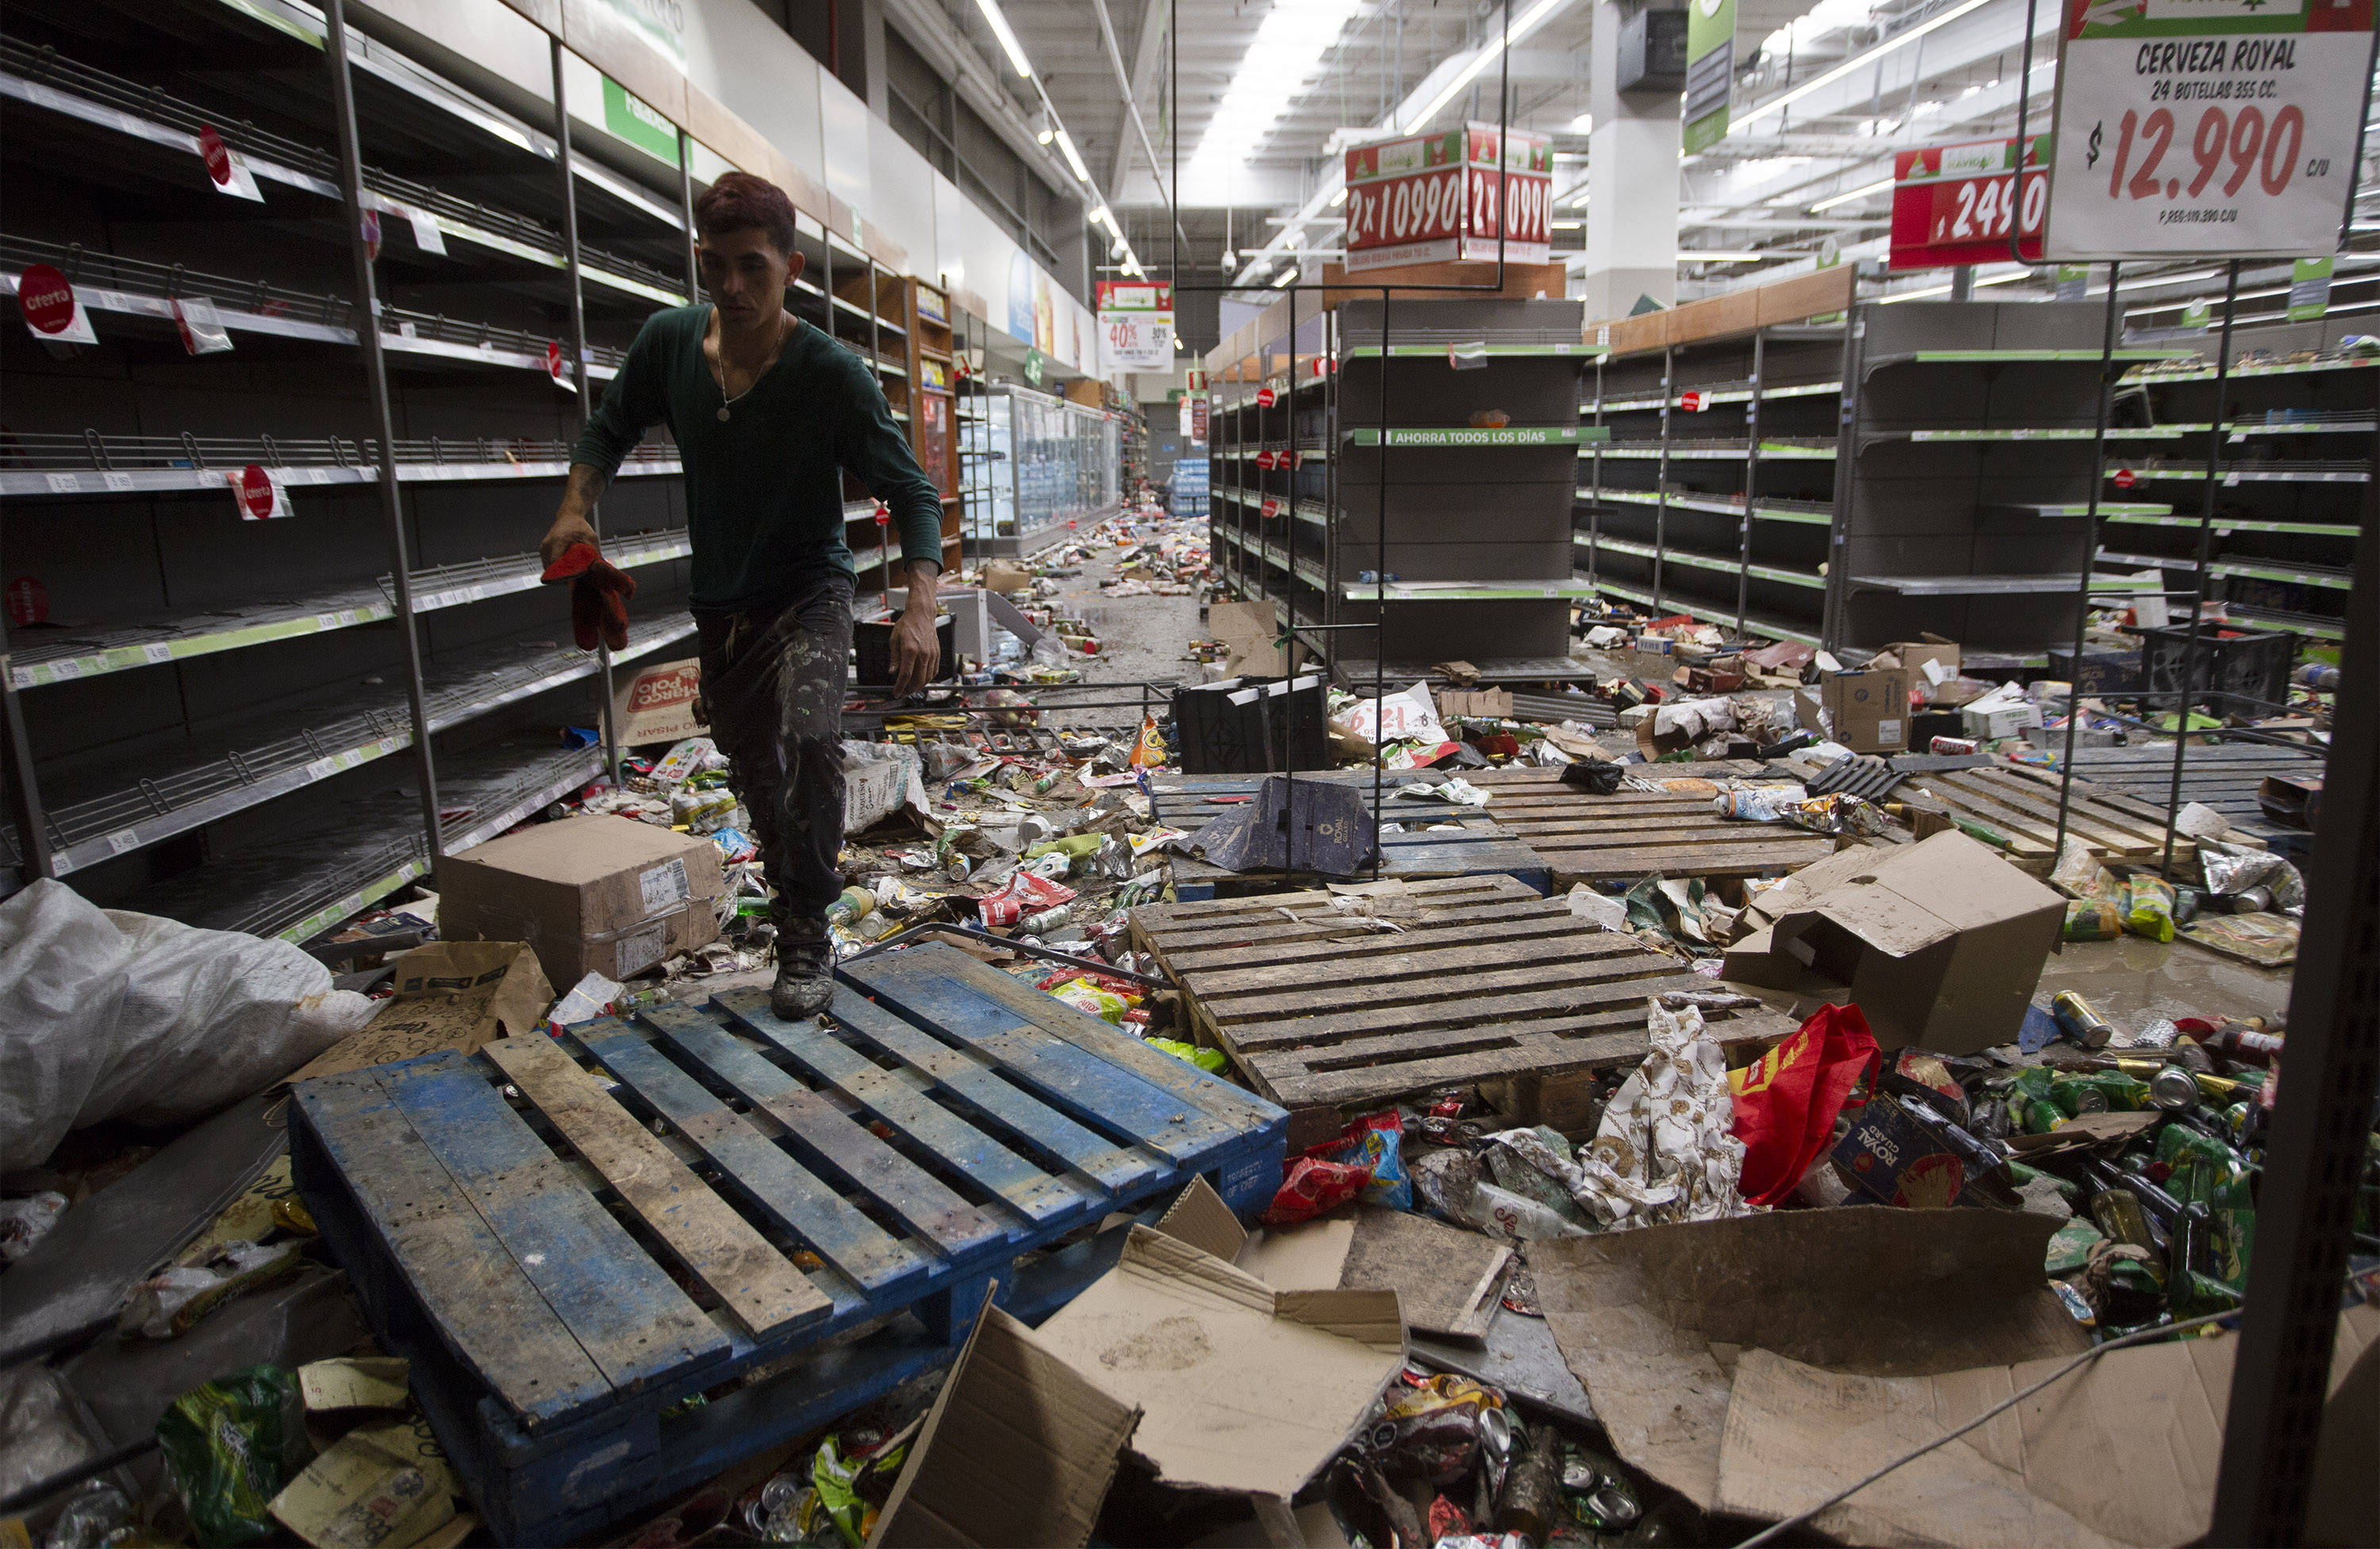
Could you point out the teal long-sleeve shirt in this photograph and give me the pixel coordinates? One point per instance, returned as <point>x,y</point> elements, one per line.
<point>763,486</point>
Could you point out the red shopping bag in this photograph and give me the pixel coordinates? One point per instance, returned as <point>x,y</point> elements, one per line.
<point>1787,1100</point>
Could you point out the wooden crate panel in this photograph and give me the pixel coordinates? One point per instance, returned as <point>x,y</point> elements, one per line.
<point>566,1236</point>
<point>1481,848</point>
<point>1632,833</point>
<point>1485,981</point>
<point>2020,802</point>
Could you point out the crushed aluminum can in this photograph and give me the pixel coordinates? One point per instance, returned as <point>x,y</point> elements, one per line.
<point>1521,1294</point>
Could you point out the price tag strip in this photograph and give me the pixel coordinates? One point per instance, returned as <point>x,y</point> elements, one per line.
<point>2223,129</point>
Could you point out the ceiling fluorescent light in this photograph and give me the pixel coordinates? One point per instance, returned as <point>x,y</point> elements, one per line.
<point>1529,22</point>
<point>1780,102</point>
<point>1875,187</point>
<point>1282,60</point>
<point>1338,198</point>
<point>1074,157</point>
<point>1044,131</point>
<point>1288,276</point>
<point>999,29</point>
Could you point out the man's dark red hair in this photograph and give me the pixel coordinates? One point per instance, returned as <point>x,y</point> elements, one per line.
<point>740,202</point>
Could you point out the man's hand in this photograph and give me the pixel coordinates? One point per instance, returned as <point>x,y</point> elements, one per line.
<point>567,528</point>
<point>915,650</point>
<point>570,524</point>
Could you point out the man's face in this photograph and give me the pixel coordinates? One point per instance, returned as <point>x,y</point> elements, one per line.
<point>746,276</point>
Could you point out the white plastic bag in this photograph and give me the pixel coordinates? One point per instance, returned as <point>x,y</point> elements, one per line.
<point>105,1014</point>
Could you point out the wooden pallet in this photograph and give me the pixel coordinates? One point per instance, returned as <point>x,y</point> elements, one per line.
<point>1630,833</point>
<point>2225,778</point>
<point>1489,984</point>
<point>1481,848</point>
<point>2020,801</point>
<point>559,1273</point>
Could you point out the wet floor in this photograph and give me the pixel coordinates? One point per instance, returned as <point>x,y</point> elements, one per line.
<point>2132,982</point>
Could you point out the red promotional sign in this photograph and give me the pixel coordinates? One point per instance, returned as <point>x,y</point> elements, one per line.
<point>46,299</point>
<point>883,517</point>
<point>1271,506</point>
<point>1264,459</point>
<point>1429,199</point>
<point>554,358</point>
<point>218,158</point>
<point>1953,204</point>
<point>1693,403</point>
<point>2126,477</point>
<point>255,493</point>
<point>371,234</point>
<point>1264,397</point>
<point>29,602</point>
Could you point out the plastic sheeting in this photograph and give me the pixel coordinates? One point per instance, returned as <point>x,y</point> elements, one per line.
<point>105,1014</point>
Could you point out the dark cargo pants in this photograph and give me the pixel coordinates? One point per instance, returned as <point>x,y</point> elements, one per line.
<point>772,684</point>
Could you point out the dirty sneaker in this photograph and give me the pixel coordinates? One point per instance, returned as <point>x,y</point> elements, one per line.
<point>805,970</point>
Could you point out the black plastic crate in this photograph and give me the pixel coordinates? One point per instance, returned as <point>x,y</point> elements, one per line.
<point>2102,672</point>
<point>2240,672</point>
<point>1252,725</point>
<point>874,641</point>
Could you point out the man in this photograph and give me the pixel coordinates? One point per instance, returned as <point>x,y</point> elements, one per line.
<point>769,413</point>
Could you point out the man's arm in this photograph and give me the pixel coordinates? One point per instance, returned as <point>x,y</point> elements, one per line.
<point>570,524</point>
<point>633,404</point>
<point>915,650</point>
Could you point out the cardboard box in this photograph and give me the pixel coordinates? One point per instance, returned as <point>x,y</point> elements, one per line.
<point>1216,1378</point>
<point>658,705</point>
<point>1248,631</point>
<point>1867,711</point>
<point>1994,722</point>
<point>606,895</point>
<point>1005,579</point>
<point>450,994</point>
<point>1939,944</point>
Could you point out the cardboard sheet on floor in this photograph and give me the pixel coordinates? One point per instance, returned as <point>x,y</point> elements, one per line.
<point>2122,1453</point>
<point>1019,1449</point>
<point>1446,1279</point>
<point>1653,1321</point>
<point>1241,1387</point>
<point>450,994</point>
<point>1939,943</point>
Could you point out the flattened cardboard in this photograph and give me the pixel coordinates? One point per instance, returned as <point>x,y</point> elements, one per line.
<point>1652,1321</point>
<point>1241,1387</point>
<point>1939,944</point>
<point>450,994</point>
<point>1019,1449</point>
<point>604,894</point>
<point>2123,1453</point>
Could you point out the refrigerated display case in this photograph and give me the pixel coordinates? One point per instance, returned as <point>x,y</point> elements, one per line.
<point>1045,462</point>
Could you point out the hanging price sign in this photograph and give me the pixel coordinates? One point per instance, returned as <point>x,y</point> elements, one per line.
<point>2207,128</point>
<point>258,496</point>
<point>226,171</point>
<point>50,307</point>
<point>1953,204</point>
<point>1136,326</point>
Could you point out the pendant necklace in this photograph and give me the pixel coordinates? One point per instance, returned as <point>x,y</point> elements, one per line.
<point>720,371</point>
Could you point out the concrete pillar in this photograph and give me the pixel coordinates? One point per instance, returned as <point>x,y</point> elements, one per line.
<point>1633,184</point>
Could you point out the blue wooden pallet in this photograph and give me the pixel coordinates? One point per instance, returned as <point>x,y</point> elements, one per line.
<point>563,1267</point>
<point>1482,848</point>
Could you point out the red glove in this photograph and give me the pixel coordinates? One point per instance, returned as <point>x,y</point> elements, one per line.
<point>599,595</point>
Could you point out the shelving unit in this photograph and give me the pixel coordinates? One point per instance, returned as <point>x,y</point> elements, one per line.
<point>2291,486</point>
<point>1676,516</point>
<point>933,376</point>
<point>1970,424</point>
<point>218,719</point>
<point>1480,436</point>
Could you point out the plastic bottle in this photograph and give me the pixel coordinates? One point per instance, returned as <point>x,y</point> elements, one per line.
<point>854,903</point>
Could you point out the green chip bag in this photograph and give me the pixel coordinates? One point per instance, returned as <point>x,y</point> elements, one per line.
<point>230,1446</point>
